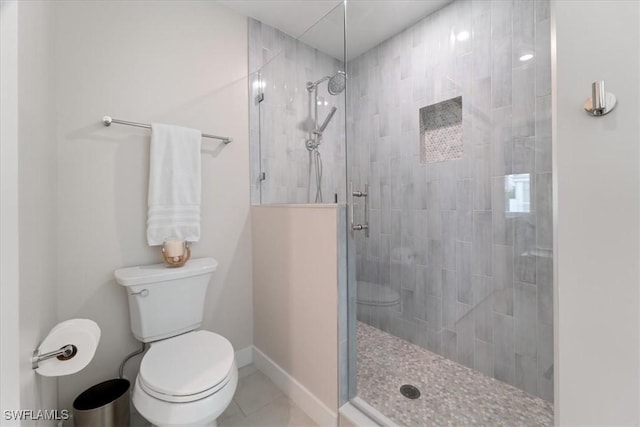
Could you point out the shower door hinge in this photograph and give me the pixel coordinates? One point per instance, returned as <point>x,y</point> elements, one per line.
<point>260,97</point>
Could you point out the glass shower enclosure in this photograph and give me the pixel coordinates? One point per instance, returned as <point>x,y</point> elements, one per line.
<point>449,131</point>
<point>297,113</point>
<point>436,134</point>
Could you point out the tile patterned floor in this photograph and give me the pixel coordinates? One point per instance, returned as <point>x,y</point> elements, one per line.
<point>452,394</point>
<point>257,402</point>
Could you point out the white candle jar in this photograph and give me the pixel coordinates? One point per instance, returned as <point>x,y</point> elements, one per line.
<point>176,252</point>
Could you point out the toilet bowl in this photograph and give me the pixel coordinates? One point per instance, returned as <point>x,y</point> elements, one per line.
<point>188,376</point>
<point>376,295</point>
<point>188,380</point>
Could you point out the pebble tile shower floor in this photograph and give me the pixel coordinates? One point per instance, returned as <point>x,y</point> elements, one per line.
<point>451,394</point>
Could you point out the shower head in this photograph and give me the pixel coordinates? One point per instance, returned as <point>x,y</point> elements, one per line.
<point>336,84</point>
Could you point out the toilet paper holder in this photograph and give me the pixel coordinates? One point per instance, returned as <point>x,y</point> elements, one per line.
<point>68,348</point>
<point>64,353</point>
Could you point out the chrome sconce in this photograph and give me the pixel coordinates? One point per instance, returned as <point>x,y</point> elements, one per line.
<point>600,102</point>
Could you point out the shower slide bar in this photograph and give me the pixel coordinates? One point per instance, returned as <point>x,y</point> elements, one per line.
<point>107,120</point>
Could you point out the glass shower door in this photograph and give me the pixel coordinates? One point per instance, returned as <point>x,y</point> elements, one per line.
<point>448,135</point>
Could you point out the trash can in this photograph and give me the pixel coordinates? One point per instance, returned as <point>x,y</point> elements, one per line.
<point>103,405</point>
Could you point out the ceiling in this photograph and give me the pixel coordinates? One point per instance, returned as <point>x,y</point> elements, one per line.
<point>369,22</point>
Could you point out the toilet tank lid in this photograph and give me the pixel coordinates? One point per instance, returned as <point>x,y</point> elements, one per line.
<point>143,274</point>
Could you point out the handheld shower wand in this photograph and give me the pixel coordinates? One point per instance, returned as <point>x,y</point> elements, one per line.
<point>335,85</point>
<point>326,122</point>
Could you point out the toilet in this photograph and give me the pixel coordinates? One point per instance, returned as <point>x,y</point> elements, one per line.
<point>188,376</point>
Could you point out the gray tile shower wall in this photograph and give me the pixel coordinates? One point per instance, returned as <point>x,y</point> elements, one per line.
<point>466,243</point>
<point>280,68</point>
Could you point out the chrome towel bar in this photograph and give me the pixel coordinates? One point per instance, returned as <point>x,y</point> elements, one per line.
<point>107,120</point>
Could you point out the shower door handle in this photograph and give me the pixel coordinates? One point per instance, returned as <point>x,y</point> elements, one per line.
<point>365,195</point>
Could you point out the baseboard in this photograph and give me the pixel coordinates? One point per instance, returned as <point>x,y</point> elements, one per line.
<point>299,394</point>
<point>244,356</point>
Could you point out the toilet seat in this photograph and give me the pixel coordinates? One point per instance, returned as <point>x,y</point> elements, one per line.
<point>172,398</point>
<point>188,367</point>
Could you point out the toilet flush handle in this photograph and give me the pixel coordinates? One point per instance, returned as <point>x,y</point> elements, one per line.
<point>143,293</point>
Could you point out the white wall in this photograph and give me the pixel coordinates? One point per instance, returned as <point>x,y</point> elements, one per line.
<point>597,215</point>
<point>170,61</point>
<point>295,285</point>
<point>37,175</point>
<point>28,198</point>
<point>9,249</point>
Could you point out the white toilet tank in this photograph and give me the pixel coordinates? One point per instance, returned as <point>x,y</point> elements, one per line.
<point>164,301</point>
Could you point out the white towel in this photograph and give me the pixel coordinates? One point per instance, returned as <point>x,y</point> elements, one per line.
<point>174,184</point>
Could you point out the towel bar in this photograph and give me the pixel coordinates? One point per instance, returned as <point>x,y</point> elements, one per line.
<point>107,120</point>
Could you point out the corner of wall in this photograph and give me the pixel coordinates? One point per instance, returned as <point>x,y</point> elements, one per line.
<point>37,171</point>
<point>9,211</point>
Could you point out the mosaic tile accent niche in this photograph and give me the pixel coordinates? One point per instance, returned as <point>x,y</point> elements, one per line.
<point>441,131</point>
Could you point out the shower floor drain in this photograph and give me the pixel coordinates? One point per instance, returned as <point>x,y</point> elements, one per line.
<point>409,391</point>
